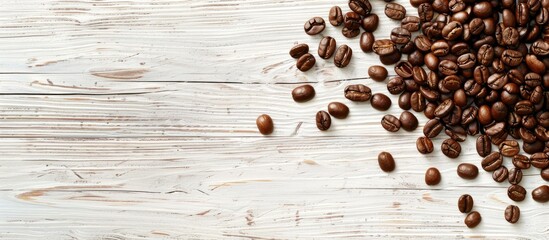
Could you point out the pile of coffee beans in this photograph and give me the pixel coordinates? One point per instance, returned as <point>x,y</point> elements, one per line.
<point>475,68</point>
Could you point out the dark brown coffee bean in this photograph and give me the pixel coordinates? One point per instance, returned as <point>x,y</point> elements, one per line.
<point>326,47</point>
<point>424,145</point>
<point>404,101</point>
<point>485,115</point>
<point>432,176</point>
<point>539,160</point>
<point>420,77</point>
<point>303,93</point>
<point>512,214</point>
<point>386,161</point>
<point>496,81</point>
<point>545,174</point>
<point>469,115</point>
<point>400,35</point>
<point>500,174</point>
<point>447,67</point>
<point>305,62</point>
<point>467,171</point>
<point>516,193</point>
<point>410,23</point>
<point>457,133</point>
<point>323,120</point>
<point>264,124</point>
<point>362,7</point>
<point>335,16</point>
<point>395,11</point>
<point>314,26</point>
<point>465,203</point>
<point>351,21</point>
<point>429,111</point>
<point>416,3</point>
<point>452,30</point>
<point>452,82</point>
<point>390,123</point>
<point>370,22</point>
<point>540,48</point>
<point>377,73</point>
<point>358,93</point>
<point>350,33</point>
<point>476,26</point>
<point>522,14</point>
<point>509,148</point>
<point>466,61</point>
<point>510,37</point>
<point>404,69</point>
<point>511,57</point>
<point>384,47</point>
<point>521,161</point>
<point>432,128</point>
<point>482,9</point>
<point>472,219</point>
<point>396,85</point>
<point>527,136</point>
<point>515,175</point>
<point>367,41</point>
<point>485,55</point>
<point>451,148</point>
<point>444,108</point>
<point>343,56</point>
<point>338,110</point>
<point>411,85</point>
<point>417,100</point>
<point>473,128</point>
<point>425,12</point>
<point>380,102</point>
<point>391,58</point>
<point>495,129</point>
<point>416,58</point>
<point>492,161</point>
<point>408,121</point>
<point>299,50</point>
<point>524,107</point>
<point>532,148</point>
<point>498,111</point>
<point>535,64</point>
<point>408,48</point>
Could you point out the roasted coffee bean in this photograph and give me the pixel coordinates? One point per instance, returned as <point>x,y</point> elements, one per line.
<point>416,3</point>
<point>460,98</point>
<point>451,148</point>
<point>380,102</point>
<point>500,174</point>
<point>384,47</point>
<point>417,100</point>
<point>432,128</point>
<point>391,58</point>
<point>473,219</point>
<point>539,160</point>
<point>299,50</point>
<point>408,48</point>
<point>482,9</point>
<point>476,26</point>
<point>404,101</point>
<point>350,33</point>
<point>420,77</point>
<point>469,115</point>
<point>457,133</point>
<point>390,123</point>
<point>362,7</point>
<point>358,93</point>
<point>511,57</point>
<point>410,23</point>
<point>335,16</point>
<point>303,93</point>
<point>423,43</point>
<point>485,55</point>
<point>485,115</point>
<point>498,111</point>
<point>400,35</point>
<point>527,136</point>
<point>521,161</point>
<point>351,21</point>
<point>425,12</point>
<point>338,110</point>
<point>386,161</point>
<point>465,203</point>
<point>460,17</point>
<point>429,111</point>
<point>532,148</point>
<point>466,61</point>
<point>452,83</point>
<point>510,37</point>
<point>432,176</point>
<point>522,14</point>
<point>395,11</point>
<point>467,171</point>
<point>264,124</point>
<point>370,22</point>
<point>540,48</point>
<point>444,108</point>
<point>492,161</point>
<point>314,26</point>
<point>447,67</point>
<point>404,69</point>
<point>305,62</point>
<point>496,81</point>
<point>396,85</point>
<point>452,30</point>
<point>495,129</point>
<point>516,193</point>
<point>377,73</point>
<point>343,56</point>
<point>529,122</point>
<point>512,213</point>
<point>367,41</point>
<point>411,85</point>
<point>326,47</point>
<point>535,64</point>
<point>416,58</point>
<point>545,174</point>
<point>509,148</point>
<point>515,175</point>
<point>323,120</point>
<point>408,121</point>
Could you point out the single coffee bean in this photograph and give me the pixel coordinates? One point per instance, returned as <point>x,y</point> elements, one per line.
<point>532,148</point>
<point>447,68</point>
<point>410,23</point>
<point>395,11</point>
<point>370,22</point>
<point>390,123</point>
<point>440,48</point>
<point>404,69</point>
<point>408,121</point>
<point>384,47</point>
<point>391,58</point>
<point>424,145</point>
<point>545,174</point>
<point>303,93</point>
<point>396,85</point>
<point>465,203</point>
<point>432,176</point>
<point>362,7</point>
<point>509,148</point>
<point>469,114</point>
<point>425,12</point>
<point>444,108</point>
<point>441,6</point>
<point>472,219</point>
<point>408,48</point>
<point>482,9</point>
<point>400,35</point>
<point>515,175</point>
<point>358,93</point>
<point>451,148</point>
<point>516,193</point>
<point>314,26</point>
<point>424,44</point>
<point>343,56</point>
<point>457,133</point>
<point>512,213</point>
<point>539,160</point>
<point>367,42</point>
<point>524,107</point>
<point>429,111</point>
<point>380,102</point>
<point>338,110</point>
<point>511,57</point>
<point>452,30</point>
<point>349,32</point>
<point>326,47</point>
<point>416,58</point>
<point>432,128</point>
<point>404,101</point>
<point>264,124</point>
<point>521,161</point>
<point>500,174</point>
<point>351,20</point>
<point>377,73</point>
<point>416,3</point>
<point>335,16</point>
<point>492,161</point>
<point>417,101</point>
<point>323,120</point>
<point>467,171</point>
<point>421,78</point>
<point>386,161</point>
<point>305,62</point>
<point>541,194</point>
<point>299,50</point>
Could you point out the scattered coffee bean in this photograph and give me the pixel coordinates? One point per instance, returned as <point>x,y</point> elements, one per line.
<point>335,16</point>
<point>408,121</point>
<point>473,219</point>
<point>370,22</point>
<point>432,128</point>
<point>467,171</point>
<point>362,7</point>
<point>264,124</point>
<point>500,174</point>
<point>509,148</point>
<point>390,123</point>
<point>326,47</point>
<point>343,56</point>
<point>512,213</point>
<point>451,148</point>
<point>515,175</point>
<point>358,93</point>
<point>367,40</point>
<point>545,174</point>
<point>305,62</point>
<point>539,160</point>
<point>492,161</point>
<point>432,176</point>
<point>338,110</point>
<point>386,161</point>
<point>380,102</point>
<point>521,161</point>
<point>314,26</point>
<point>377,73</point>
<point>395,11</point>
<point>424,145</point>
<point>323,120</point>
<point>299,50</point>
<point>516,193</point>
<point>303,93</point>
<point>541,194</point>
<point>465,203</point>
<point>384,47</point>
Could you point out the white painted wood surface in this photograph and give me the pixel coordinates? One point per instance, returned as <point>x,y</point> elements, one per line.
<point>135,119</point>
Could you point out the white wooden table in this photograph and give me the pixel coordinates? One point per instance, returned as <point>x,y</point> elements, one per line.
<point>135,119</point>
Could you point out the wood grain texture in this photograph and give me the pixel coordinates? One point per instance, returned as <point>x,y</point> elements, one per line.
<point>136,120</point>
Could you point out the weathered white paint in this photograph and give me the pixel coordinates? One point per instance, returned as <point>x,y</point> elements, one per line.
<point>135,120</point>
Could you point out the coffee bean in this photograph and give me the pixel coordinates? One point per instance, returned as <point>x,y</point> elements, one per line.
<point>440,48</point>
<point>390,123</point>
<point>482,9</point>
<point>314,26</point>
<point>370,22</point>
<point>432,176</point>
<point>492,161</point>
<point>408,121</point>
<point>264,124</point>
<point>323,120</point>
<point>539,160</point>
<point>335,16</point>
<point>532,148</point>
<point>362,7</point>
<point>515,175</point>
<point>467,171</point>
<point>421,78</point>
<point>417,100</point>
<point>404,69</point>
<point>299,50</point>
<point>395,11</point>
<point>545,174</point>
<point>465,203</point>
<point>444,108</point>
<point>457,133</point>
<point>511,57</point>
<point>391,58</point>
<point>384,47</point>
<point>424,145</point>
<point>451,148</point>
<point>509,148</point>
<point>381,102</point>
<point>512,213</point>
<point>386,161</point>
<point>400,35</point>
<point>424,44</point>
<point>452,30</point>
<point>416,58</point>
<point>338,110</point>
<point>541,194</point>
<point>367,41</point>
<point>358,93</point>
<point>425,12</point>
<point>326,47</point>
<point>447,68</point>
<point>521,161</point>
<point>432,128</point>
<point>351,21</point>
<point>473,219</point>
<point>500,174</point>
<point>410,23</point>
<point>343,56</point>
<point>404,100</point>
<point>516,193</point>
<point>350,33</point>
<point>303,93</point>
<point>396,85</point>
<point>305,62</point>
<point>377,73</point>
